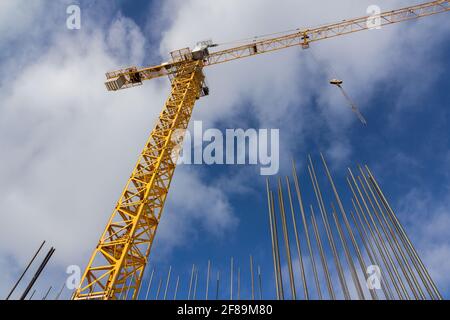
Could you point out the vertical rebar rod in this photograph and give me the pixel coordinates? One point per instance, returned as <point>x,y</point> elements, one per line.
<point>385,213</point>
<point>382,251</point>
<point>32,294</point>
<point>407,270</point>
<point>252,277</point>
<point>359,256</point>
<point>167,283</point>
<point>25,271</point>
<point>260,283</point>
<point>231,279</point>
<point>297,241</point>
<point>305,227</point>
<point>348,256</point>
<point>390,237</point>
<point>286,240</point>
<point>322,255</point>
<point>217,285</point>
<point>272,236</point>
<point>388,240</point>
<point>404,236</point>
<point>239,284</point>
<point>369,246</point>
<point>196,282</point>
<point>207,279</point>
<point>328,230</point>
<point>176,288</point>
<point>373,255</point>
<point>123,291</point>
<point>159,288</point>
<point>140,285</point>
<point>149,284</point>
<point>341,208</point>
<point>378,251</point>
<point>129,287</point>
<point>407,242</point>
<point>38,273</point>
<point>48,291</point>
<point>60,291</point>
<point>277,249</point>
<point>191,281</point>
<point>379,244</point>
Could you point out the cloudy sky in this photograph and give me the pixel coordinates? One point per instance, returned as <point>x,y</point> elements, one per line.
<point>68,146</point>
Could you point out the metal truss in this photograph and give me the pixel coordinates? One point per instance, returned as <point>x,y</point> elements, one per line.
<point>116,267</point>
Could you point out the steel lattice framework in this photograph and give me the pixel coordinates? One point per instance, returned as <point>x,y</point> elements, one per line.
<point>118,262</point>
<point>116,267</point>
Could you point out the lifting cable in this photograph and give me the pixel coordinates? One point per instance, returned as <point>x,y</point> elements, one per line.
<point>338,83</point>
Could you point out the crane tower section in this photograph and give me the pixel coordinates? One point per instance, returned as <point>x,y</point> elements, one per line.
<point>119,260</point>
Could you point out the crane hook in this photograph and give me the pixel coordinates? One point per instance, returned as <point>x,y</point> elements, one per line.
<point>338,83</point>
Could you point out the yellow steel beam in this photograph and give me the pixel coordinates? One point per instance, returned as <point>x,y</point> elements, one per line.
<point>302,37</point>
<point>118,262</point>
<point>306,36</point>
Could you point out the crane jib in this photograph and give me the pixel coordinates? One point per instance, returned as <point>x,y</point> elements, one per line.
<point>122,79</point>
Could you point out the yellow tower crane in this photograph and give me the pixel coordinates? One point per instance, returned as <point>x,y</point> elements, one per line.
<point>117,265</point>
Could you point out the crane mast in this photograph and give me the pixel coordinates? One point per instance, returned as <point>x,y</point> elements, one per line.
<point>119,260</point>
<point>116,267</point>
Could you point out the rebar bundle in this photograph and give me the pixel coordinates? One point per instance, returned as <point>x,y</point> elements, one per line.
<point>367,257</point>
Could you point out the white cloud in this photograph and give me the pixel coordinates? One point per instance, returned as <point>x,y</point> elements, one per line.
<point>18,17</point>
<point>339,152</point>
<point>192,201</point>
<point>68,145</point>
<point>126,40</point>
<point>66,139</point>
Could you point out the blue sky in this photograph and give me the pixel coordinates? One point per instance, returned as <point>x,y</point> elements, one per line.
<point>70,145</point>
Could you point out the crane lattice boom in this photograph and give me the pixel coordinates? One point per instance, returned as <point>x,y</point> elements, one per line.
<point>117,265</point>
<point>134,76</point>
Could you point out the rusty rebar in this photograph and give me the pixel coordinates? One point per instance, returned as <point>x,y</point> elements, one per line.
<point>297,241</point>
<point>322,255</point>
<point>305,227</point>
<point>286,240</point>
